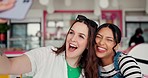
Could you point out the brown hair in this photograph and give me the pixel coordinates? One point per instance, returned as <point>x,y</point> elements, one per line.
<point>88,61</point>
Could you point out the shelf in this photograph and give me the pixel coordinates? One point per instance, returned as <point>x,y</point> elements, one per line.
<point>55,43</point>
<point>14,53</point>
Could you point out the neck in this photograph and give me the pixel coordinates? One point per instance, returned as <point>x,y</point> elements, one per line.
<point>108,60</point>
<point>72,62</point>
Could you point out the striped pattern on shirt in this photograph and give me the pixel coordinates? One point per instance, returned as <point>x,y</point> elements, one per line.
<point>127,65</point>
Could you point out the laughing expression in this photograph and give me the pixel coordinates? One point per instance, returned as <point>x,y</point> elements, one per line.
<point>76,41</point>
<point>104,43</point>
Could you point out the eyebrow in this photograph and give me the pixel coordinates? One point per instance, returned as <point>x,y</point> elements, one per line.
<point>79,33</point>
<point>106,37</point>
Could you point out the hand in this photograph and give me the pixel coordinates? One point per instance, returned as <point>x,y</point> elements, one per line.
<point>5,6</point>
<point>3,20</point>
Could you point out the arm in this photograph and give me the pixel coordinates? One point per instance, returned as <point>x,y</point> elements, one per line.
<point>143,40</point>
<point>131,41</point>
<point>17,65</point>
<point>129,67</point>
<point>3,20</point>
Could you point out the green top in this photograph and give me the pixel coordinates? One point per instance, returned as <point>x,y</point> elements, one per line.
<point>73,72</point>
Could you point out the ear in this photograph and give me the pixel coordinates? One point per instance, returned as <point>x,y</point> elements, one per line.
<point>117,47</point>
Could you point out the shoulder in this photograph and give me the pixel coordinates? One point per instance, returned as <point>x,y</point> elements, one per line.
<point>41,51</point>
<point>133,37</point>
<point>128,66</point>
<point>125,56</point>
<point>125,59</point>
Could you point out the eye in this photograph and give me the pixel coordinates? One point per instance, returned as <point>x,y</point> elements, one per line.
<point>81,36</point>
<point>98,36</point>
<point>70,32</point>
<point>110,40</point>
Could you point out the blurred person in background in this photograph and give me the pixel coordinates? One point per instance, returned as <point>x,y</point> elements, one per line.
<point>137,38</point>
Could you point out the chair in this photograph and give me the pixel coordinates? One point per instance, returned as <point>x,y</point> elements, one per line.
<point>140,53</point>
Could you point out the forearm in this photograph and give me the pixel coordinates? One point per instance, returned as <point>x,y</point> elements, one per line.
<point>5,64</point>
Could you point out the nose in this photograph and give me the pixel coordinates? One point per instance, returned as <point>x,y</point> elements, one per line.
<point>100,41</point>
<point>74,38</point>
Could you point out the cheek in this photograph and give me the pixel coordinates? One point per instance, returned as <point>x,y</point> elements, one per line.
<point>110,46</point>
<point>67,41</point>
<point>83,43</point>
<point>97,40</point>
<point>68,37</point>
<point>117,47</point>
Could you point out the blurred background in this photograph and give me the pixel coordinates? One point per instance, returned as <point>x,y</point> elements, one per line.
<point>47,21</point>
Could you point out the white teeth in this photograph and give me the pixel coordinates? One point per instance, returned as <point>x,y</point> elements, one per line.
<point>101,48</point>
<point>72,45</point>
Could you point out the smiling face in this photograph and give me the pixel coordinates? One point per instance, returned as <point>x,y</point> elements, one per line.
<point>76,41</point>
<point>105,43</point>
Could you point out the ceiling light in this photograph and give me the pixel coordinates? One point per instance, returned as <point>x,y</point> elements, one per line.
<point>44,2</point>
<point>104,3</point>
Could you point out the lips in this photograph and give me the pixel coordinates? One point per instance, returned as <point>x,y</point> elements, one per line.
<point>72,47</point>
<point>100,49</point>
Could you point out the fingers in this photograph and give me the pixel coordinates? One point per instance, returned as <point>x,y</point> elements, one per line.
<point>3,20</point>
<point>7,5</point>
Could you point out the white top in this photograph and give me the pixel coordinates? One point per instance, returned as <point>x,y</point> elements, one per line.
<point>46,64</point>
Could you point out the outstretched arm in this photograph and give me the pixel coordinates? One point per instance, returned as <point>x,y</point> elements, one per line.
<point>17,65</point>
